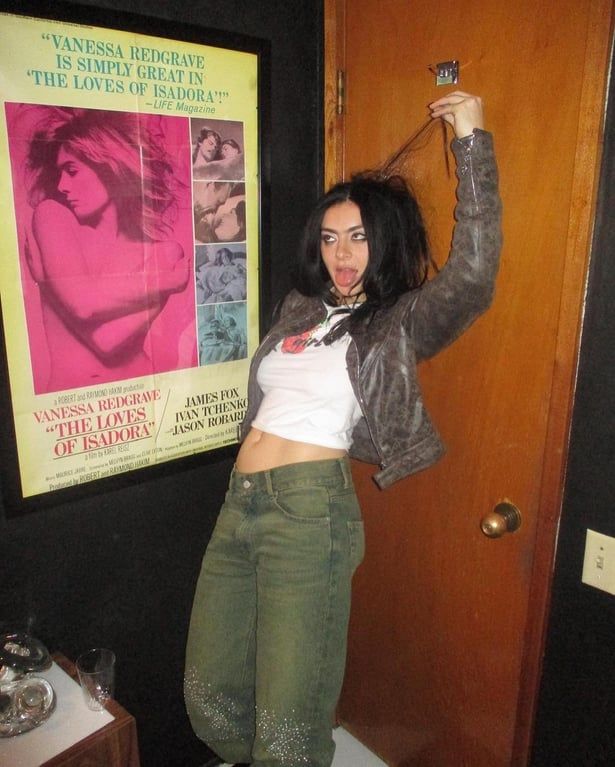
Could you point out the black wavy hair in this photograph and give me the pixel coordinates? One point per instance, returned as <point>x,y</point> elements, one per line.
<point>399,254</point>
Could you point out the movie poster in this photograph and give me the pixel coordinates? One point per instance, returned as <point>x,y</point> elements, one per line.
<point>130,246</point>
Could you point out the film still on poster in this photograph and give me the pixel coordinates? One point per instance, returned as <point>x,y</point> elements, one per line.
<point>130,276</point>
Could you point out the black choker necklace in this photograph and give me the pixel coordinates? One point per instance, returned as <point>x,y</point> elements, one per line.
<point>351,301</point>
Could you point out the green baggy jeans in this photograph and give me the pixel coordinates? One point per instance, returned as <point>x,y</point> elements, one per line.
<point>267,640</point>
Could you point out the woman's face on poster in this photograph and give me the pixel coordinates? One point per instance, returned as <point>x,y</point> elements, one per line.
<point>84,192</point>
<point>227,222</point>
<point>228,150</point>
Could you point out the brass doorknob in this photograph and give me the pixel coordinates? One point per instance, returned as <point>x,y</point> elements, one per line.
<point>505,518</point>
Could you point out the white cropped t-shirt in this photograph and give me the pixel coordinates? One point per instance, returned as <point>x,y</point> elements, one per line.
<point>307,392</point>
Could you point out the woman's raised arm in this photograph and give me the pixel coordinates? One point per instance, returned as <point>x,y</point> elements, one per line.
<point>463,289</point>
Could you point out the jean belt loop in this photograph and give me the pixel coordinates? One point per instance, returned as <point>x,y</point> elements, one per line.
<point>345,467</point>
<point>269,482</point>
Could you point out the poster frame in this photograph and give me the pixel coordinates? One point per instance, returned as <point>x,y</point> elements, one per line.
<point>13,500</point>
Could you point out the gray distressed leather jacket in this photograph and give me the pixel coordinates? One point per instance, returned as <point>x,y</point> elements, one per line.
<point>395,430</point>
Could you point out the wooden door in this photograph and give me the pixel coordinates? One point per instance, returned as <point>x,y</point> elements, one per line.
<point>446,632</point>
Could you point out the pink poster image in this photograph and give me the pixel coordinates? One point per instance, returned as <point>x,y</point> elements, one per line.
<point>104,222</point>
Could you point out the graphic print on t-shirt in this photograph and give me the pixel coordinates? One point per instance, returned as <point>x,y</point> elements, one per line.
<point>314,336</point>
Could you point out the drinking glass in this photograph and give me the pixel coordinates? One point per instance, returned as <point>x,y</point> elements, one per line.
<point>96,669</point>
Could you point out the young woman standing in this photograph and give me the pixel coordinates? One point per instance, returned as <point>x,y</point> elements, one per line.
<point>336,376</point>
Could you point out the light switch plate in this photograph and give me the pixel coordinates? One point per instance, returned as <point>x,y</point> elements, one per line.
<point>599,561</point>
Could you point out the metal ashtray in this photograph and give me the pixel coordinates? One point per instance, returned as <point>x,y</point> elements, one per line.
<point>22,653</point>
<point>24,704</point>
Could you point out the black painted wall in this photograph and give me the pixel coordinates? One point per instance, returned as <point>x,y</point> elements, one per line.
<point>118,569</point>
<point>576,720</point>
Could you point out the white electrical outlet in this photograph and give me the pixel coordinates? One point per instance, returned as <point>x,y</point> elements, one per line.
<point>599,562</point>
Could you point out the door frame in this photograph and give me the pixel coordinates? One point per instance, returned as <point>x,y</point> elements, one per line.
<point>578,243</point>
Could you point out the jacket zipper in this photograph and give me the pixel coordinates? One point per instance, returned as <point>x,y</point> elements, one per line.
<point>362,404</point>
